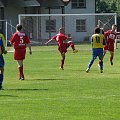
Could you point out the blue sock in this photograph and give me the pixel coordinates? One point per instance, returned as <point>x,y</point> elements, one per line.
<point>101,65</point>
<point>1,79</point>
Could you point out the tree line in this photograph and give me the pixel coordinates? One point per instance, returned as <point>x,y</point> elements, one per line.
<point>109,6</point>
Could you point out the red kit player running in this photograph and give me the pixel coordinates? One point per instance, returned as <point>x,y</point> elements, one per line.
<point>110,37</point>
<point>20,41</point>
<point>62,45</point>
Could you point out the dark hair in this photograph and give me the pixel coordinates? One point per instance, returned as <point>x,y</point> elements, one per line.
<point>97,30</point>
<point>19,27</point>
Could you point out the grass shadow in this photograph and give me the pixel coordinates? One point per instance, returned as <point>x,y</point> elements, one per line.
<point>8,96</point>
<point>22,89</point>
<point>45,79</point>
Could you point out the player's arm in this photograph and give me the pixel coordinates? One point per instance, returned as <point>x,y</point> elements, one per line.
<point>69,38</point>
<point>30,50</point>
<point>49,41</point>
<point>66,38</point>
<point>106,38</point>
<point>105,35</point>
<point>116,35</point>
<point>52,39</point>
<point>3,50</point>
<point>11,40</point>
<point>27,41</point>
<point>104,41</point>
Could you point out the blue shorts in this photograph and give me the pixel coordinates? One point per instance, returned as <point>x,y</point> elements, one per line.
<point>97,52</point>
<point>1,61</point>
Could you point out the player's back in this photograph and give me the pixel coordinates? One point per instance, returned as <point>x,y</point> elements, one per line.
<point>19,40</point>
<point>98,40</point>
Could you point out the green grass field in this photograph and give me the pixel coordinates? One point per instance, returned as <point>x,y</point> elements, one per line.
<point>48,93</point>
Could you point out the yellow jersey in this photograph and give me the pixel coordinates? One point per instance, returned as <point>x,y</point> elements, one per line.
<point>3,39</point>
<point>98,41</point>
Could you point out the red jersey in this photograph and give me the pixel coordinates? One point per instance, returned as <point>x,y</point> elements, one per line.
<point>60,38</point>
<point>19,40</point>
<point>110,37</point>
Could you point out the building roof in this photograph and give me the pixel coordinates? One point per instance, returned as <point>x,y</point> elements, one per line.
<point>30,3</point>
<point>20,3</point>
<point>50,3</point>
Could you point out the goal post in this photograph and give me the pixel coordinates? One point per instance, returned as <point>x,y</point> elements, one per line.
<point>7,29</point>
<point>41,27</point>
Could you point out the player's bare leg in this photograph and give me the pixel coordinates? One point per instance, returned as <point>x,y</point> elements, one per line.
<point>20,68</point>
<point>70,43</point>
<point>111,57</point>
<point>62,61</point>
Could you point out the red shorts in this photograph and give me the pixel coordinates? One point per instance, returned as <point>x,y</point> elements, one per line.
<point>19,54</point>
<point>109,48</point>
<point>63,48</point>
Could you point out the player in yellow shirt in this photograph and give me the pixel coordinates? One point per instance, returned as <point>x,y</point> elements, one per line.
<point>98,42</point>
<point>2,38</point>
<point>2,50</point>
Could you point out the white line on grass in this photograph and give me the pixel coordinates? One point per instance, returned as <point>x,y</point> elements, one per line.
<point>62,98</point>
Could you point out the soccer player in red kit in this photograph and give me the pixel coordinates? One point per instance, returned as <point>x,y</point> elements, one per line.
<point>20,41</point>
<point>62,45</point>
<point>110,37</point>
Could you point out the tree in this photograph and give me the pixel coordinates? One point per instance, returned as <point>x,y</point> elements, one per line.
<point>104,6</point>
<point>109,6</point>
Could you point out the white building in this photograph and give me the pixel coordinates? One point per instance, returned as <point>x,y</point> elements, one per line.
<point>80,28</point>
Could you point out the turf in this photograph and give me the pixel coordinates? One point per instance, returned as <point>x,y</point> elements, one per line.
<point>48,93</point>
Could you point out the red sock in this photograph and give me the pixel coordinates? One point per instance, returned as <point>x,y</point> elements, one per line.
<point>21,71</point>
<point>72,46</point>
<point>62,63</point>
<point>111,58</point>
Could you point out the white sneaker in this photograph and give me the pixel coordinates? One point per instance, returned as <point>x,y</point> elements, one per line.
<point>60,68</point>
<point>87,70</point>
